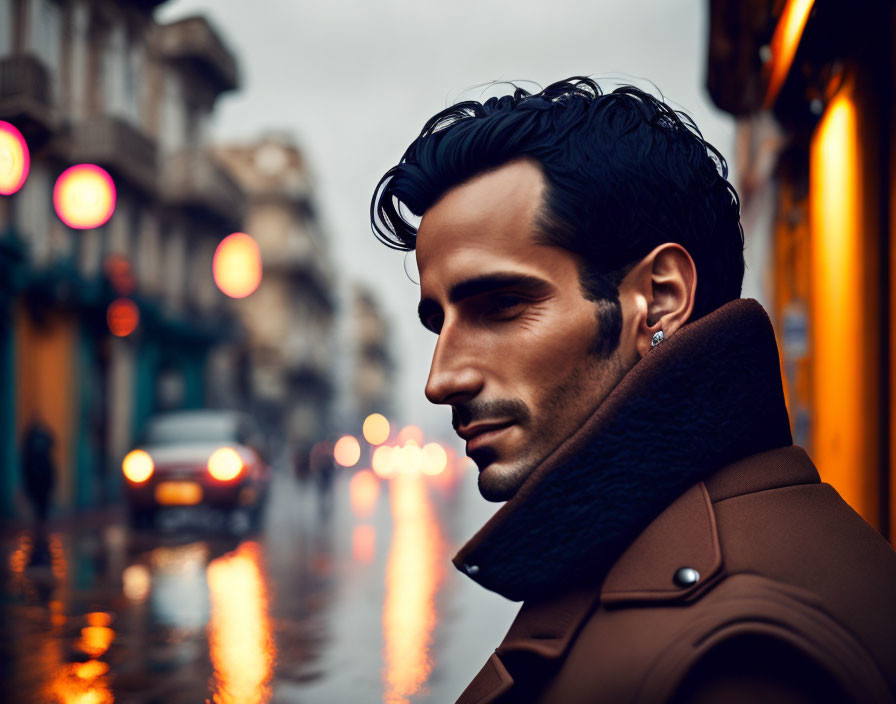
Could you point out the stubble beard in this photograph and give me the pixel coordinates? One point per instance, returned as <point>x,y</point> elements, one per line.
<point>602,374</point>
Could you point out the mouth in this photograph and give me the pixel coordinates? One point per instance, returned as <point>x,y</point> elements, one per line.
<point>481,434</point>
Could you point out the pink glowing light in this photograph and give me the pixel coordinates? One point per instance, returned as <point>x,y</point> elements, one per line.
<point>15,160</point>
<point>84,196</point>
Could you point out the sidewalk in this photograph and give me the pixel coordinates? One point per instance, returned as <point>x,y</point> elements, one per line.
<point>71,521</point>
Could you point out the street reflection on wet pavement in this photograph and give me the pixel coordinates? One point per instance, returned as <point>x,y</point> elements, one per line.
<point>341,598</point>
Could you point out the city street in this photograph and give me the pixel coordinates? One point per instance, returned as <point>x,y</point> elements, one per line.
<point>347,598</point>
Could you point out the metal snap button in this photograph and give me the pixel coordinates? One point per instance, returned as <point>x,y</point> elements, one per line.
<point>471,569</point>
<point>686,576</point>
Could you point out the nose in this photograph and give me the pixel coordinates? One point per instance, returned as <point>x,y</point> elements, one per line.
<point>455,373</point>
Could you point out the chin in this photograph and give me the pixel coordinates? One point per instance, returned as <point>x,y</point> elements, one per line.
<point>499,482</point>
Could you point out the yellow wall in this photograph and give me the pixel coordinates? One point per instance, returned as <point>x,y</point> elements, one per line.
<point>844,308</point>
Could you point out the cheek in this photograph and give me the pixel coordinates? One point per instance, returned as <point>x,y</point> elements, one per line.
<point>554,351</point>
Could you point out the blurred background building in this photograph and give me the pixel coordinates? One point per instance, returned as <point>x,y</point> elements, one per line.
<point>290,318</point>
<point>102,82</point>
<point>372,362</point>
<point>811,86</point>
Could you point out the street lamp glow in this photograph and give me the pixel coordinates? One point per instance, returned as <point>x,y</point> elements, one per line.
<point>347,451</point>
<point>376,429</point>
<point>15,160</point>
<point>236,266</point>
<point>84,196</point>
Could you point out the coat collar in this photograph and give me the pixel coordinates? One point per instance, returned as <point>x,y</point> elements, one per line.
<point>709,395</point>
<point>683,535</point>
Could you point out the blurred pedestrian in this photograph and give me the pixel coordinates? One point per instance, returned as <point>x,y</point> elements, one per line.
<point>322,469</point>
<point>667,539</point>
<point>39,480</point>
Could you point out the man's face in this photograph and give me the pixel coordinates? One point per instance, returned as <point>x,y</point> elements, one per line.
<point>515,355</point>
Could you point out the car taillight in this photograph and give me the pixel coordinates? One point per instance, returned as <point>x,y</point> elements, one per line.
<point>137,466</point>
<point>225,464</point>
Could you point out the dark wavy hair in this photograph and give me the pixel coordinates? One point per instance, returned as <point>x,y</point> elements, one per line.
<point>624,173</point>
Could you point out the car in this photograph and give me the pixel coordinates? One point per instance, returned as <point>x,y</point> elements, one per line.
<point>204,458</point>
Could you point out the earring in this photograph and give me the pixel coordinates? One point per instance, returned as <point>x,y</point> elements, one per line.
<point>658,337</point>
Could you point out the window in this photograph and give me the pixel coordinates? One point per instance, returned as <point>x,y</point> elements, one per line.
<point>6,27</point>
<point>174,126</point>
<point>79,58</point>
<point>45,36</point>
<point>114,73</point>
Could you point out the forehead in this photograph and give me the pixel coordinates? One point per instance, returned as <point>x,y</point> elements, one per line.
<point>485,222</point>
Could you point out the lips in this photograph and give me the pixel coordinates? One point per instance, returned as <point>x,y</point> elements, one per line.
<point>480,434</point>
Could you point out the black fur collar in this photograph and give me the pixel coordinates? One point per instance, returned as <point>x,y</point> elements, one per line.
<point>710,394</point>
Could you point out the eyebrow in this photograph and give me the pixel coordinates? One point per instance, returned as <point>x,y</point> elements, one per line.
<point>477,285</point>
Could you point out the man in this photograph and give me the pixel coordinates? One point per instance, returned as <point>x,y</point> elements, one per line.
<point>581,261</point>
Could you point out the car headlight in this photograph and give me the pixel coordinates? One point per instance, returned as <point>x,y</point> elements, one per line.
<point>225,464</point>
<point>137,466</point>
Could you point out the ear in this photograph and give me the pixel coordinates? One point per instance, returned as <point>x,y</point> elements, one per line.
<point>657,294</point>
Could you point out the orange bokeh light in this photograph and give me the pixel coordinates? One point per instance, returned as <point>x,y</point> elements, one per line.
<point>408,459</point>
<point>347,451</point>
<point>84,196</point>
<point>375,429</point>
<point>122,316</point>
<point>364,490</point>
<point>410,432</point>
<point>95,640</point>
<point>382,461</point>
<point>236,265</point>
<point>15,160</point>
<point>434,460</point>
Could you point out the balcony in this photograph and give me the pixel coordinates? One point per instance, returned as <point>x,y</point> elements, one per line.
<point>25,95</point>
<point>114,143</point>
<point>192,40</point>
<point>193,181</point>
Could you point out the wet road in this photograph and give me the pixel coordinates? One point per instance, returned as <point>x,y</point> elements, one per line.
<point>348,600</point>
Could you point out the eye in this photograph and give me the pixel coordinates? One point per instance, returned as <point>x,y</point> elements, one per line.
<point>504,306</point>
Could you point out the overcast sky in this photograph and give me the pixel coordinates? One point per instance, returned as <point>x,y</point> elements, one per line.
<point>354,81</point>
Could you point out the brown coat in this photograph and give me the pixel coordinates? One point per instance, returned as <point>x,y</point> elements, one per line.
<point>793,598</point>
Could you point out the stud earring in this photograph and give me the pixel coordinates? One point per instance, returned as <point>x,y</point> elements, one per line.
<point>658,337</point>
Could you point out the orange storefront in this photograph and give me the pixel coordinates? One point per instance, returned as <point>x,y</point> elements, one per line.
<point>44,355</point>
<point>823,71</point>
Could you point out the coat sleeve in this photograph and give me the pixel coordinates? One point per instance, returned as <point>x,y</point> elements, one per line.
<point>751,668</point>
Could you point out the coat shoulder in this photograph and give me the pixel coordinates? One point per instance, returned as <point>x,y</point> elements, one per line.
<point>733,630</point>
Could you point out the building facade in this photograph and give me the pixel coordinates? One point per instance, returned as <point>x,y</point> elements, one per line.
<point>96,81</point>
<point>372,364</point>
<point>811,84</point>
